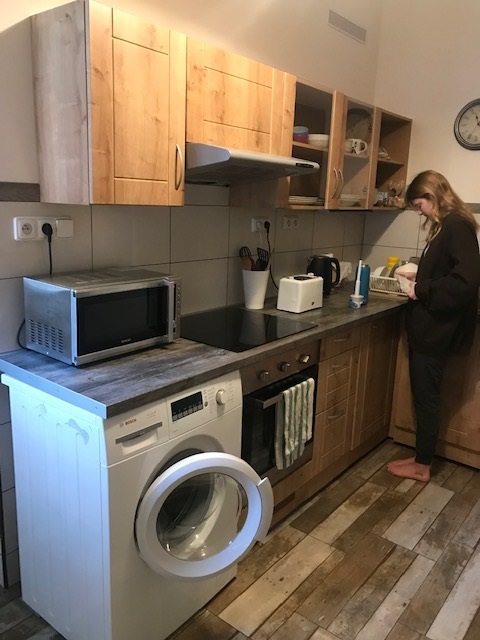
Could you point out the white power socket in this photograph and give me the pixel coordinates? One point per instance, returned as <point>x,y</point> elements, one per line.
<point>25,228</point>
<point>31,228</point>
<point>258,224</point>
<point>290,222</point>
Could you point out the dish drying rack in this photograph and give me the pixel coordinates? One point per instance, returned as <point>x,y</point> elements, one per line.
<point>384,284</point>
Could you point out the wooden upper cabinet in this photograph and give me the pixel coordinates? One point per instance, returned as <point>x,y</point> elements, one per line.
<point>110,107</point>
<point>236,102</point>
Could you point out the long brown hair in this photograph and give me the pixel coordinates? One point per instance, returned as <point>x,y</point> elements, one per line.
<point>434,187</point>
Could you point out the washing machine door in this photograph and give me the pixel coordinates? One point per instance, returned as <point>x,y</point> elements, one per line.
<point>202,515</point>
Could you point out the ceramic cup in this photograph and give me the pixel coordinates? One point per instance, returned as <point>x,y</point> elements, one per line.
<point>355,145</point>
<point>254,288</point>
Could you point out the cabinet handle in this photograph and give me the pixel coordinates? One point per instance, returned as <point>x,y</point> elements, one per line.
<point>178,174</point>
<point>335,173</point>
<point>340,339</point>
<point>336,415</point>
<point>342,182</point>
<point>338,366</point>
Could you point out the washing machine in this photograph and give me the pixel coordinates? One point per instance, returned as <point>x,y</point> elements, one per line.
<point>129,525</point>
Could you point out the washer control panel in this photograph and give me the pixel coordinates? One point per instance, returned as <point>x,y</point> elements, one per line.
<point>210,401</point>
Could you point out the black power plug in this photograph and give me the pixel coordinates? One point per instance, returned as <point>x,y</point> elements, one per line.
<point>47,230</point>
<point>266,224</point>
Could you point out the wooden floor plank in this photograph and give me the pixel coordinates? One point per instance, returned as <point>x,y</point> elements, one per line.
<point>369,597</point>
<point>347,513</point>
<point>399,632</point>
<point>459,478</point>
<point>328,501</point>
<point>255,565</point>
<point>472,488</point>
<point>411,525</point>
<point>376,519</point>
<point>461,605</point>
<point>431,596</point>
<point>444,527</point>
<point>387,615</point>
<point>275,586</point>
<point>206,625</point>
<point>280,615</point>
<point>469,531</point>
<point>295,627</point>
<point>329,598</point>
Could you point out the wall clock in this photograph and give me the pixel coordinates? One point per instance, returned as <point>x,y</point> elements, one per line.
<point>467,125</point>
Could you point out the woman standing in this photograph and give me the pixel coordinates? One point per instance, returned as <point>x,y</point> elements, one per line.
<point>442,307</point>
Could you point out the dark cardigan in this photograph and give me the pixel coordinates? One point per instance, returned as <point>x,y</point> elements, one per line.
<point>442,321</point>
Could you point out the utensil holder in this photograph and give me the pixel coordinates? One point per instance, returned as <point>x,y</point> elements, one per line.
<point>254,288</point>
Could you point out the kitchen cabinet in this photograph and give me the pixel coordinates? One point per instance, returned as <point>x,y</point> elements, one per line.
<point>344,178</point>
<point>459,437</point>
<point>349,180</point>
<point>378,348</point>
<point>336,397</point>
<point>110,107</point>
<point>236,102</point>
<point>391,144</point>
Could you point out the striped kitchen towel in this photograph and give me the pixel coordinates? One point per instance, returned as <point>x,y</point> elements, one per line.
<point>294,423</point>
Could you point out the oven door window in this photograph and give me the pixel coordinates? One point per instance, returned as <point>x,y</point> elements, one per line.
<point>259,421</point>
<point>115,319</point>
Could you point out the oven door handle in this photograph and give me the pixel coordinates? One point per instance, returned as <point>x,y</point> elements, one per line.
<point>269,402</point>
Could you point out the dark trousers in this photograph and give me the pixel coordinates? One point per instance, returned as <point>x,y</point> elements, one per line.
<point>425,380</point>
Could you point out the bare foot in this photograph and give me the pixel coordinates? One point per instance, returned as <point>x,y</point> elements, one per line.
<point>413,471</point>
<point>400,463</point>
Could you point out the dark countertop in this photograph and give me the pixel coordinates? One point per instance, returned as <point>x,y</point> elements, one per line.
<point>113,386</point>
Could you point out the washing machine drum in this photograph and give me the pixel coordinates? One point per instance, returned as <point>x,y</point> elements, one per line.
<point>202,514</point>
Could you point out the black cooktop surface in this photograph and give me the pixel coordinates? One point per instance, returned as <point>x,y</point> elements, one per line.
<point>238,329</point>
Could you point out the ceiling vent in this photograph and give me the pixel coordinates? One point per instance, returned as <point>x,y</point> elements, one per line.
<point>345,26</point>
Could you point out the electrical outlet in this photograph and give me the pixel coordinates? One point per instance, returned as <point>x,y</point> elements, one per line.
<point>258,224</point>
<point>290,222</point>
<point>25,228</point>
<point>41,222</point>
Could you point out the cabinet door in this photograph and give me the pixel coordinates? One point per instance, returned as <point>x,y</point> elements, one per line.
<point>110,107</point>
<point>375,381</point>
<point>236,102</point>
<point>336,393</point>
<point>137,75</point>
<point>391,144</point>
<point>350,169</point>
<point>460,406</point>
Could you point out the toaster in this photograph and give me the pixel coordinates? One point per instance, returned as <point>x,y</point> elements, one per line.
<point>300,293</point>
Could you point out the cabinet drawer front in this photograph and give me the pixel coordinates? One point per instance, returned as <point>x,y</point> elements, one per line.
<point>336,395</point>
<point>339,342</point>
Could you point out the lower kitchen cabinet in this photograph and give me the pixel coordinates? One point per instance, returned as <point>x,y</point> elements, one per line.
<point>352,413</point>
<point>378,346</point>
<point>459,437</point>
<point>336,397</point>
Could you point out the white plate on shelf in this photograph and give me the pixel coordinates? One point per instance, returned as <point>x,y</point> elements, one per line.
<point>303,200</point>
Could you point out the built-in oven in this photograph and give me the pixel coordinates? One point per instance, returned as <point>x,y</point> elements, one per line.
<point>264,384</point>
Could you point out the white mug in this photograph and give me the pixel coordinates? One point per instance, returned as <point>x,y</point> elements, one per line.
<point>355,145</point>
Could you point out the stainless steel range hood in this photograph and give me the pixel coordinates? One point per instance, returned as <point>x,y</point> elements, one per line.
<point>209,164</point>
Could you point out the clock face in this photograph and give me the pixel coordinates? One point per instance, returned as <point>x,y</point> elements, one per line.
<point>467,125</point>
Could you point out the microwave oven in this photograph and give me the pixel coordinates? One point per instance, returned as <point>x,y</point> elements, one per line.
<point>79,318</point>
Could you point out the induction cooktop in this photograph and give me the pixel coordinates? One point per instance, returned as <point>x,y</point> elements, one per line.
<point>239,329</point>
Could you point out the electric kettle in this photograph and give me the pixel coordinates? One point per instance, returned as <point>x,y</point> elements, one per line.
<point>322,266</point>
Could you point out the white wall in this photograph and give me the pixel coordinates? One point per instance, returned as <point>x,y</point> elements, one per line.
<point>428,69</point>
